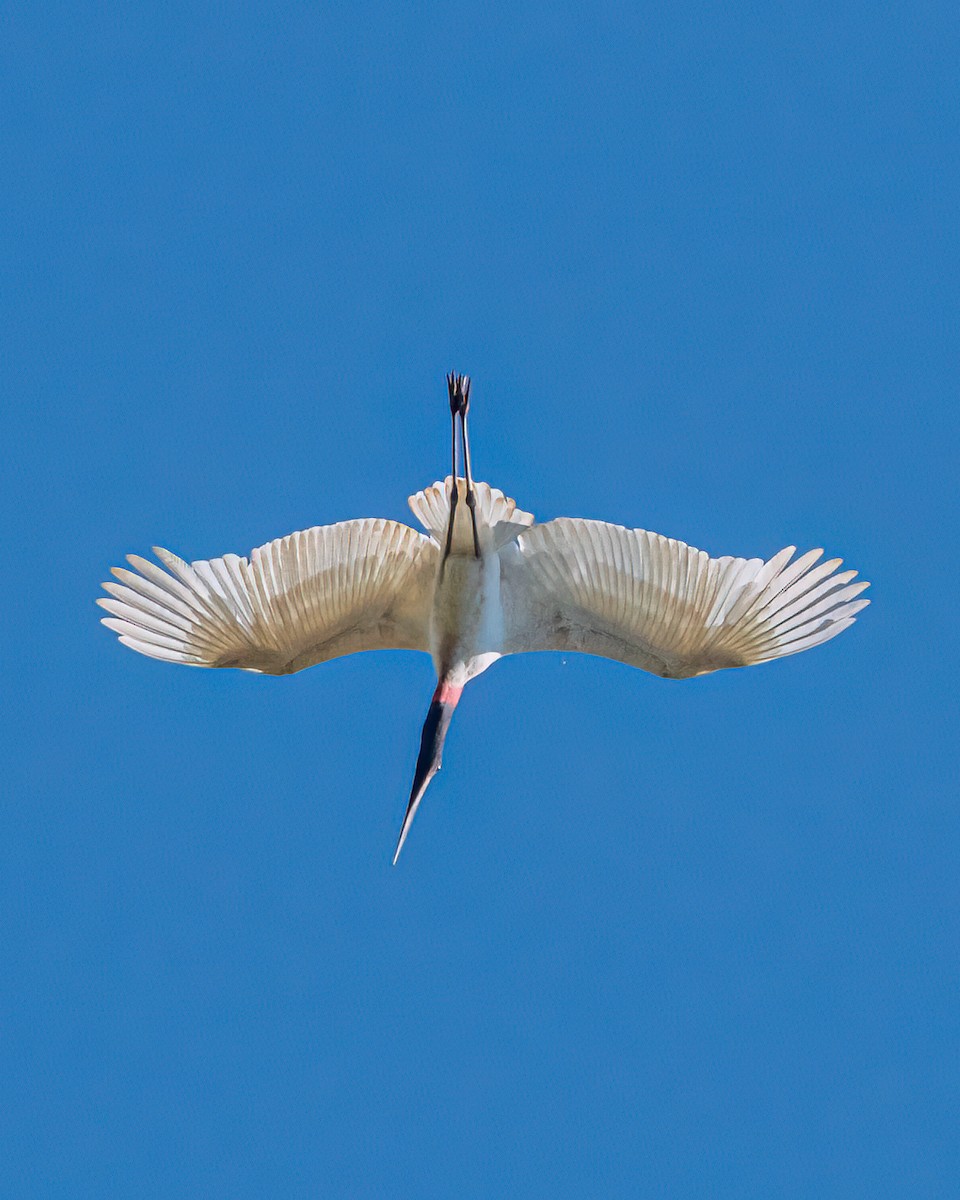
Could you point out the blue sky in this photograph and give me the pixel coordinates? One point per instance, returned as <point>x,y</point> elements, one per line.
<point>646,939</point>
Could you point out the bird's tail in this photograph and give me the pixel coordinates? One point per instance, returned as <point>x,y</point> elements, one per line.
<point>498,519</point>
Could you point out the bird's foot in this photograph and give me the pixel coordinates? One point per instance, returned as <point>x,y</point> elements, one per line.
<point>458,390</point>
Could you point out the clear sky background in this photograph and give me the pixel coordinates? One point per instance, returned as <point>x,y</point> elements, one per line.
<point>646,938</point>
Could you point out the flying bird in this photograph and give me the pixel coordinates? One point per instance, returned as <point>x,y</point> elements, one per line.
<point>485,580</point>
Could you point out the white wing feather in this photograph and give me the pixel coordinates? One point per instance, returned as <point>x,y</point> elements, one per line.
<point>659,604</point>
<point>297,601</point>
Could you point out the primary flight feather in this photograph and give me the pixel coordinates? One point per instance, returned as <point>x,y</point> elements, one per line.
<point>485,581</point>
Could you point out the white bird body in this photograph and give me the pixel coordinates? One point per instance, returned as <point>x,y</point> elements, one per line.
<point>466,626</point>
<point>466,618</point>
<point>484,581</point>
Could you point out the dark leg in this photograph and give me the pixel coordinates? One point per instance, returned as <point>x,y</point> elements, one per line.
<point>471,495</point>
<point>454,394</point>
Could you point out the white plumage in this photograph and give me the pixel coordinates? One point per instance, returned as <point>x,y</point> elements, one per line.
<point>569,584</point>
<point>659,604</point>
<point>495,583</point>
<point>297,601</point>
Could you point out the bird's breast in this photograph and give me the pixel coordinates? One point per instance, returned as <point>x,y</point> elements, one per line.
<point>466,627</point>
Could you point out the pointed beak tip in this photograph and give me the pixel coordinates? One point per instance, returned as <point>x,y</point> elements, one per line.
<point>431,749</point>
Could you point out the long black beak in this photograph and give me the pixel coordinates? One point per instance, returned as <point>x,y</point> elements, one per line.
<point>434,733</point>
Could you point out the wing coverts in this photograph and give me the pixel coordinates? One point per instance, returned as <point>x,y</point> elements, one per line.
<point>659,604</point>
<point>297,601</point>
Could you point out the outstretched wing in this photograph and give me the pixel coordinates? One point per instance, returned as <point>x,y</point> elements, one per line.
<point>658,604</point>
<point>300,600</point>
